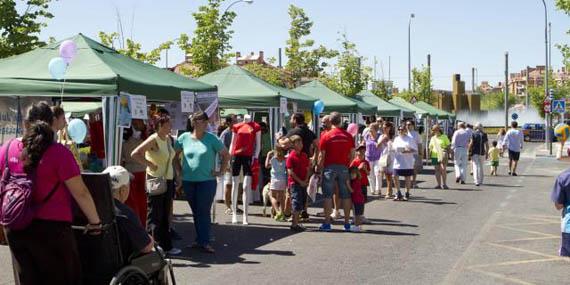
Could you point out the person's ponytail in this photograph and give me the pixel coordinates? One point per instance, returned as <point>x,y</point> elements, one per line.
<point>38,137</point>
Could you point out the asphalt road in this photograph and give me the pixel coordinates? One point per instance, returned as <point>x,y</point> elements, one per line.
<point>504,232</point>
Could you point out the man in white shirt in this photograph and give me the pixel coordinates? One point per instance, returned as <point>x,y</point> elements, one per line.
<point>459,144</point>
<point>514,142</point>
<point>418,156</point>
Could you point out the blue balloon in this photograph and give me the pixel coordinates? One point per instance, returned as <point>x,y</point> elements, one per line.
<point>57,68</point>
<point>318,107</point>
<point>77,130</point>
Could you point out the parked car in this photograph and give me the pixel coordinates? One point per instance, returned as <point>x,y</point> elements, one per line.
<point>535,132</point>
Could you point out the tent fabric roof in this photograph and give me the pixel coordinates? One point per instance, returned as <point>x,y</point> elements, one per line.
<point>441,114</point>
<point>385,108</point>
<point>334,102</point>
<point>363,107</point>
<point>95,71</point>
<point>405,104</point>
<point>239,88</point>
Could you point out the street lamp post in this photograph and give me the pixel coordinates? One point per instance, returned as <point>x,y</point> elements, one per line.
<point>409,54</point>
<point>547,116</point>
<point>235,2</point>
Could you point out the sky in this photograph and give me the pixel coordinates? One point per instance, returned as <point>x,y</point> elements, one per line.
<point>459,34</point>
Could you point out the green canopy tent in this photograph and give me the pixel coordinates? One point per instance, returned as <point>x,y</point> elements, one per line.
<point>97,72</point>
<point>363,107</point>
<point>385,108</point>
<point>438,113</point>
<point>239,89</point>
<point>333,101</point>
<point>400,102</point>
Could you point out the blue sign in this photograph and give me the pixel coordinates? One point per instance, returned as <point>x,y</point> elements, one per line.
<point>514,116</point>
<point>559,106</point>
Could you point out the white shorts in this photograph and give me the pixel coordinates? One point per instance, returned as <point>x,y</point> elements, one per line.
<point>228,178</point>
<point>278,185</point>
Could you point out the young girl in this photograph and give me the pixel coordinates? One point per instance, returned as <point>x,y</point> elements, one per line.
<point>357,198</point>
<point>494,158</point>
<point>278,183</point>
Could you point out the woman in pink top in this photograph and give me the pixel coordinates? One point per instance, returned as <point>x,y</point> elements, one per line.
<point>46,252</point>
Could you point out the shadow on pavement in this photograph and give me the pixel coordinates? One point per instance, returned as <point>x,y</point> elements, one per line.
<point>419,199</point>
<point>502,185</point>
<point>231,243</point>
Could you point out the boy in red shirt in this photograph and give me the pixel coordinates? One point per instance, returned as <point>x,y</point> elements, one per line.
<point>297,169</point>
<point>357,198</point>
<point>364,167</point>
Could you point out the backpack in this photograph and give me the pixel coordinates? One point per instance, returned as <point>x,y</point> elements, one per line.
<point>16,204</point>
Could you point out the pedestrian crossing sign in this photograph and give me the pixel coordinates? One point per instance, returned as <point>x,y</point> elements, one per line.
<point>559,106</point>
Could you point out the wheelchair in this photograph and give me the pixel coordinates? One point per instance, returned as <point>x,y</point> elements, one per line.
<point>101,256</point>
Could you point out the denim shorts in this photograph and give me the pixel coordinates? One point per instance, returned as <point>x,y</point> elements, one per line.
<point>334,175</point>
<point>298,197</point>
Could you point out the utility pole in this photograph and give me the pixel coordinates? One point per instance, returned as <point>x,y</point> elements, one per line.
<point>473,80</point>
<point>506,90</point>
<point>280,58</point>
<point>429,77</point>
<point>548,116</point>
<point>409,53</point>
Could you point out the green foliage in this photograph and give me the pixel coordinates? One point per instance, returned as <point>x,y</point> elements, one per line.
<point>211,38</point>
<point>564,6</point>
<point>422,85</point>
<point>381,88</point>
<point>407,95</point>
<point>133,49</point>
<point>331,81</point>
<point>303,61</point>
<point>20,31</point>
<point>269,74</point>
<point>495,101</point>
<point>537,96</point>
<point>353,79</point>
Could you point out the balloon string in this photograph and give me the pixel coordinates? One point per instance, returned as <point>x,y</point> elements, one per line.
<point>62,89</point>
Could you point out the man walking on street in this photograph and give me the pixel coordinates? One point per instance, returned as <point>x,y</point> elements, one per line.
<point>336,151</point>
<point>479,147</point>
<point>418,156</point>
<point>459,144</point>
<point>514,142</point>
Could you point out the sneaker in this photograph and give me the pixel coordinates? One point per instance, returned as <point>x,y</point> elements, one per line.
<point>509,173</point>
<point>462,182</point>
<point>477,184</point>
<point>438,187</point>
<point>445,187</point>
<point>290,219</point>
<point>407,196</point>
<point>457,180</point>
<point>515,174</point>
<point>347,227</point>
<point>355,229</point>
<point>228,211</point>
<point>398,197</point>
<point>297,228</point>
<point>304,216</point>
<point>239,211</point>
<point>364,220</point>
<point>389,196</point>
<point>325,228</point>
<point>174,251</point>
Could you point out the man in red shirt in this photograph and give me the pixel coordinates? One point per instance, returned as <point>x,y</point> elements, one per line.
<point>245,147</point>
<point>336,151</point>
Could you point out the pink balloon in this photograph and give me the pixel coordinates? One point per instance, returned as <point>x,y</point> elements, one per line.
<point>67,50</point>
<point>352,129</point>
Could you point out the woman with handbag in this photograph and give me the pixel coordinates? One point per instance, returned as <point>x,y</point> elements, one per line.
<point>199,149</point>
<point>386,160</point>
<point>44,249</point>
<point>439,149</point>
<point>373,154</point>
<point>157,153</point>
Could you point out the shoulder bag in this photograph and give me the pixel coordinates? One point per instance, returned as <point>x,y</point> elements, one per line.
<point>157,185</point>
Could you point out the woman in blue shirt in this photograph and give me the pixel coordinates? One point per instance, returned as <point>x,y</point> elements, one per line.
<point>199,149</point>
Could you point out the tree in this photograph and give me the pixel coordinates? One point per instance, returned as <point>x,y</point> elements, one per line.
<point>381,88</point>
<point>20,31</point>
<point>269,74</point>
<point>353,77</point>
<point>422,84</point>
<point>495,101</point>
<point>211,38</point>
<point>564,6</point>
<point>133,49</point>
<point>302,60</point>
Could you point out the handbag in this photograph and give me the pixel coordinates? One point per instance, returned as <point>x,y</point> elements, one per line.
<point>157,185</point>
<point>385,158</point>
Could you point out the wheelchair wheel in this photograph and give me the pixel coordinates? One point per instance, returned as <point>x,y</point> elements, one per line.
<point>130,275</point>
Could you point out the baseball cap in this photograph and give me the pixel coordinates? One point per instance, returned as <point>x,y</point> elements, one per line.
<point>119,176</point>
